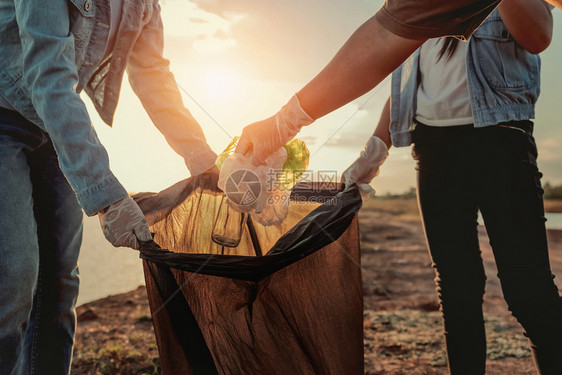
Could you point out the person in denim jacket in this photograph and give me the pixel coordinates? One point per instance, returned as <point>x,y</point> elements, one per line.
<point>52,163</point>
<point>467,110</point>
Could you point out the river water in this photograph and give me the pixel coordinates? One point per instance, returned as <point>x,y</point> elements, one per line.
<point>553,220</point>
<point>104,269</point>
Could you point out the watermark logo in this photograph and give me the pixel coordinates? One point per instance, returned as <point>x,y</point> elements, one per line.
<point>315,181</point>
<point>243,187</point>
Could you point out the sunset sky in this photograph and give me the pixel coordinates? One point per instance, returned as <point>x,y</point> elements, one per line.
<point>239,61</point>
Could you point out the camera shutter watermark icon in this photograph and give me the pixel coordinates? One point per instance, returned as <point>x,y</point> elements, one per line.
<point>243,187</point>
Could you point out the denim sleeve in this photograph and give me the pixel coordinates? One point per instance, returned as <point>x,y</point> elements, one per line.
<point>50,73</point>
<point>155,85</point>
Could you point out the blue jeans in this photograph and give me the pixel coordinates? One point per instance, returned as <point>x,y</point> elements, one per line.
<point>462,169</point>
<point>40,237</point>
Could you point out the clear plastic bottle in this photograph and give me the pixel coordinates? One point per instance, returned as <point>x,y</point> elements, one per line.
<point>229,225</point>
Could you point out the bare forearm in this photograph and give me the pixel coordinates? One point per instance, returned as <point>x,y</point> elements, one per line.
<point>383,130</point>
<point>369,55</point>
<point>529,22</point>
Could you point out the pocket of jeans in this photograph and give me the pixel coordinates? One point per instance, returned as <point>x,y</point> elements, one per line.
<point>516,157</point>
<point>530,165</point>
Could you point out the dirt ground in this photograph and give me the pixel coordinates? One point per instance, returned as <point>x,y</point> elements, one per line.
<point>398,285</point>
<point>402,324</point>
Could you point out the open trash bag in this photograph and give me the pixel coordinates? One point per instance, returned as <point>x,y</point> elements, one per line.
<point>287,300</point>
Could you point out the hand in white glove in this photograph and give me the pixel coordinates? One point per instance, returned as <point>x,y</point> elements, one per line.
<point>214,171</point>
<point>123,224</point>
<point>366,167</point>
<point>263,138</point>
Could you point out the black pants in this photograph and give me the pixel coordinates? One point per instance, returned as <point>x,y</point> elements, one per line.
<point>462,169</point>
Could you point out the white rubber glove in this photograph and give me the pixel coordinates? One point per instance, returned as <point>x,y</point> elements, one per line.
<point>366,167</point>
<point>123,224</point>
<point>264,137</point>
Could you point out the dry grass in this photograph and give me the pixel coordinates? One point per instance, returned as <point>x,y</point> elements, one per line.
<point>413,335</point>
<point>401,209</point>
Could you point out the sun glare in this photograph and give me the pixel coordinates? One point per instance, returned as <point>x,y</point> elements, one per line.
<point>221,82</point>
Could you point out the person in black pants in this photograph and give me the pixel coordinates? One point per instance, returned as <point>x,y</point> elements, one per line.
<point>466,108</point>
<point>460,170</point>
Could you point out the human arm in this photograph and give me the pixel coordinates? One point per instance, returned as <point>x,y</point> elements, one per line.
<point>154,84</point>
<point>529,22</point>
<point>382,130</point>
<point>50,74</point>
<point>370,54</point>
<point>367,165</point>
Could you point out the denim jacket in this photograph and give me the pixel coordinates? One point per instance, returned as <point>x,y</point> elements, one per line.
<point>52,51</point>
<point>503,82</point>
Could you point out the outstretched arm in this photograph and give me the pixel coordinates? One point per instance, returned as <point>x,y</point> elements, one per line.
<point>45,37</point>
<point>529,22</point>
<point>154,84</point>
<point>369,55</point>
<point>383,127</point>
<point>50,74</point>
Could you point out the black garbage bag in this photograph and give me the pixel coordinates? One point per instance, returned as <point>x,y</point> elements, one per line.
<point>287,300</point>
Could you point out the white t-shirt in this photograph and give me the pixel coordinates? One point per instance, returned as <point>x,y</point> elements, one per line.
<point>443,98</point>
<point>116,11</point>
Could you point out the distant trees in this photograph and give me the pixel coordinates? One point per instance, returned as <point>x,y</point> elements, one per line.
<point>552,192</point>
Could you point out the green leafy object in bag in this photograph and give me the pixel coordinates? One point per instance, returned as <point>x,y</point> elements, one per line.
<point>229,150</point>
<point>296,164</point>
